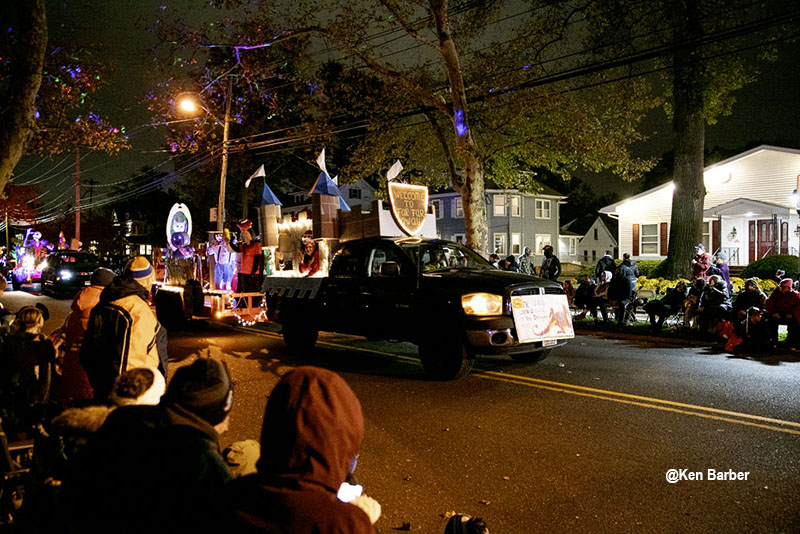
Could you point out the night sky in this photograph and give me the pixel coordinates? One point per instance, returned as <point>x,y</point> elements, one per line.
<point>766,111</point>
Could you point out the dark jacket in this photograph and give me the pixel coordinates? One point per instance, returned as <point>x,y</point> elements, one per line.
<point>21,357</point>
<point>584,294</point>
<point>606,263</point>
<point>715,295</point>
<point>551,268</point>
<point>674,298</point>
<point>629,271</point>
<point>312,430</point>
<point>149,469</point>
<point>748,299</point>
<point>620,288</point>
<point>123,333</point>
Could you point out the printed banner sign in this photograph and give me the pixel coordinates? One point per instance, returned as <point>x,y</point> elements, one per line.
<point>409,206</point>
<point>543,318</point>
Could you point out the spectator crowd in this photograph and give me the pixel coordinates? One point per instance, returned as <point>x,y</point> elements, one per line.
<point>118,447</point>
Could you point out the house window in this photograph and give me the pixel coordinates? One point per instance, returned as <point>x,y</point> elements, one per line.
<point>355,193</point>
<point>516,205</point>
<point>500,244</point>
<point>457,209</point>
<point>573,246</point>
<point>649,239</point>
<point>437,208</point>
<point>299,197</point>
<point>460,238</point>
<point>707,234</point>
<point>595,234</point>
<point>499,205</point>
<point>594,255</point>
<point>516,244</point>
<point>585,255</point>
<point>542,209</point>
<point>541,240</point>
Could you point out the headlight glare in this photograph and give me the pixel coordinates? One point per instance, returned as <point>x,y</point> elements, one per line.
<point>482,304</point>
<point>65,275</point>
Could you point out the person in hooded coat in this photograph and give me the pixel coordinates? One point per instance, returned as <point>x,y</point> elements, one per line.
<point>551,265</point>
<point>526,262</point>
<point>157,468</point>
<point>751,297</point>
<point>313,427</point>
<point>74,382</point>
<point>605,263</point>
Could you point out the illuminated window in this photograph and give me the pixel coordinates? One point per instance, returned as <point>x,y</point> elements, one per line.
<point>542,209</point>
<point>541,240</point>
<point>516,205</point>
<point>516,244</point>
<point>500,244</point>
<point>649,239</point>
<point>707,234</point>
<point>457,208</point>
<point>573,246</point>
<point>460,238</point>
<point>499,205</point>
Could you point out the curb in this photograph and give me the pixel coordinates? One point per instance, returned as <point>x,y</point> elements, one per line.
<point>650,339</point>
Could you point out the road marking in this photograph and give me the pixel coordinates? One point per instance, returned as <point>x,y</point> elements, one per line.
<point>667,406</point>
<point>767,423</point>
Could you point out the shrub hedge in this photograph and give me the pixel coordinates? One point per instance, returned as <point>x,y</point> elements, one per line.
<point>766,268</point>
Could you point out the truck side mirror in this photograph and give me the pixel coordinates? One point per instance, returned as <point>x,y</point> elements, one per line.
<point>390,268</point>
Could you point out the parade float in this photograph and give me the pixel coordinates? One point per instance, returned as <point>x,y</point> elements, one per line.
<point>30,258</point>
<point>183,292</point>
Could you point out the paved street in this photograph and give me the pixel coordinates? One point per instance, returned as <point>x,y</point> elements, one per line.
<point>581,442</point>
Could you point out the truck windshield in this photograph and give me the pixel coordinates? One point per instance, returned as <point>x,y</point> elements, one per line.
<point>429,257</point>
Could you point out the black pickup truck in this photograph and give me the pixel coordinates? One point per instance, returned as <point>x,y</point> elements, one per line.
<point>440,295</point>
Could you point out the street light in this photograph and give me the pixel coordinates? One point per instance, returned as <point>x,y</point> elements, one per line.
<point>190,104</point>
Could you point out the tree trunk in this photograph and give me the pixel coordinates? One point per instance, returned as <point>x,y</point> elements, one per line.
<point>471,187</point>
<point>688,129</point>
<point>16,128</point>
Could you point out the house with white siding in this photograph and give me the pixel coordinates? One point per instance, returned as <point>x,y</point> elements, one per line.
<point>749,212</point>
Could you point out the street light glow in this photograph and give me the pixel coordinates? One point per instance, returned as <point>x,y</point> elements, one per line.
<point>188,105</point>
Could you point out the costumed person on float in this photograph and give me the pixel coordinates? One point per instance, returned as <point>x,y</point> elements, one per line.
<point>249,279</point>
<point>223,262</point>
<point>179,231</point>
<point>308,257</point>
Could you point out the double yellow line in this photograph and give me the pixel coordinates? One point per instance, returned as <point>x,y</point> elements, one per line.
<point>767,423</point>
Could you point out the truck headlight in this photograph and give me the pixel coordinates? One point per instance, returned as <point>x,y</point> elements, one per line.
<point>482,304</point>
<point>65,275</point>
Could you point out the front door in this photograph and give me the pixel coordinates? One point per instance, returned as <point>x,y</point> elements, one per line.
<point>762,239</point>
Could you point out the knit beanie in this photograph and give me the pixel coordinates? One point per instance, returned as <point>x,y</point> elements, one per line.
<point>786,282</point>
<point>102,277</point>
<point>141,271</point>
<point>204,388</point>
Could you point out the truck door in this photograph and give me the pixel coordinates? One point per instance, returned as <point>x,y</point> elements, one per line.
<point>390,292</point>
<point>344,305</point>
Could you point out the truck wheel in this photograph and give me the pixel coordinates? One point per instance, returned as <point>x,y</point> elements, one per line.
<point>299,336</point>
<point>531,357</point>
<point>447,360</point>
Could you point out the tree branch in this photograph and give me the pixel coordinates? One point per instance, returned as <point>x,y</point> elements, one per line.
<point>406,24</point>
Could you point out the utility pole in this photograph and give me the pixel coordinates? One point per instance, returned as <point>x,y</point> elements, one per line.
<point>77,194</point>
<point>224,173</point>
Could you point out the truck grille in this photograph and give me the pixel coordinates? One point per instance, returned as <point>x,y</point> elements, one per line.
<point>526,291</point>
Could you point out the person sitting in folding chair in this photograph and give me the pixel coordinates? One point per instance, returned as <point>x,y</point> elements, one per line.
<point>672,303</point>
<point>714,304</point>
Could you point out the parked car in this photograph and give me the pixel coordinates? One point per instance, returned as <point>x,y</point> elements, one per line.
<point>67,271</point>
